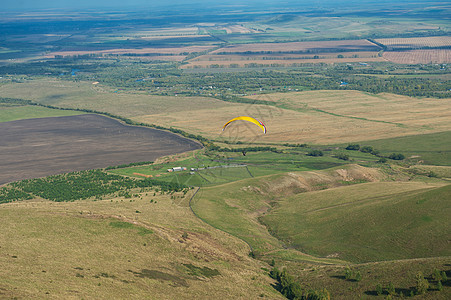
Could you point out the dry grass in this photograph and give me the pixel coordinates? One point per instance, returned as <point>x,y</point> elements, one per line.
<point>47,244</point>
<point>320,117</point>
<point>419,56</point>
<point>97,97</point>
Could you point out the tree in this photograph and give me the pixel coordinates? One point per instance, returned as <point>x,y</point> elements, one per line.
<point>358,276</point>
<point>436,275</point>
<point>348,273</point>
<point>343,156</point>
<point>444,277</point>
<point>367,149</point>
<point>379,289</point>
<point>391,289</point>
<point>422,284</point>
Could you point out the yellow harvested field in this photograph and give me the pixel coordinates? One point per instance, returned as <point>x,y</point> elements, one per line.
<point>97,97</point>
<point>419,42</point>
<point>437,56</point>
<point>321,117</point>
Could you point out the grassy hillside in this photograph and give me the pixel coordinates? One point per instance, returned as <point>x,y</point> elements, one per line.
<point>235,207</point>
<point>116,248</point>
<point>367,222</point>
<point>431,148</point>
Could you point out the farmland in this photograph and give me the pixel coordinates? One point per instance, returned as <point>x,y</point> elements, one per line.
<point>302,117</point>
<point>416,43</point>
<point>438,56</point>
<point>287,54</point>
<point>117,180</point>
<point>79,143</point>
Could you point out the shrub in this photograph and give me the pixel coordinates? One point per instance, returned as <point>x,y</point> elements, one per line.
<point>396,156</point>
<point>367,149</point>
<point>343,156</point>
<point>353,147</point>
<point>315,153</point>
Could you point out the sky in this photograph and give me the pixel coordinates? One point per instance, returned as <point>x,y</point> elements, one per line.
<point>79,4</point>
<point>24,5</point>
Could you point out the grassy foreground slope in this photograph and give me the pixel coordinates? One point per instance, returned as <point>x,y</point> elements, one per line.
<point>367,222</point>
<point>120,248</point>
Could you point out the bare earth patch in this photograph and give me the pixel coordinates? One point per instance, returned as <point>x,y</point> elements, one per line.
<point>41,147</point>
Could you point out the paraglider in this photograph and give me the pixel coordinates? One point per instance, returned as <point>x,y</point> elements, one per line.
<point>249,119</point>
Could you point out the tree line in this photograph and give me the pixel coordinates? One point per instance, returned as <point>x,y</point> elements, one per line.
<point>82,185</point>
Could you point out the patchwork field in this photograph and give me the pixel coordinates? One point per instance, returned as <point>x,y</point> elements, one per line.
<point>418,43</point>
<point>435,56</point>
<point>155,51</point>
<point>46,146</point>
<point>225,61</point>
<point>357,115</point>
<point>320,46</point>
<point>86,95</point>
<point>239,55</point>
<point>319,117</point>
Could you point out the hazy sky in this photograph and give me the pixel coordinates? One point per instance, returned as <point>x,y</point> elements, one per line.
<point>80,4</point>
<point>142,4</point>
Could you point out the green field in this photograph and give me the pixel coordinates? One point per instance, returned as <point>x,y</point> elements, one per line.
<point>402,220</point>
<point>431,148</point>
<point>244,201</point>
<point>29,112</point>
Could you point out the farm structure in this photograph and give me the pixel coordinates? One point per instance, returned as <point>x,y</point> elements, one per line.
<point>177,169</point>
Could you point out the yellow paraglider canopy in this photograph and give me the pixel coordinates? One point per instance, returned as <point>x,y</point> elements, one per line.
<point>249,119</point>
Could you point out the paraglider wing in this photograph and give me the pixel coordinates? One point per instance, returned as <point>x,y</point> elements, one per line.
<point>249,119</point>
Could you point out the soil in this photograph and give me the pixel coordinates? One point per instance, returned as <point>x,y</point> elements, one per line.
<point>46,146</point>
